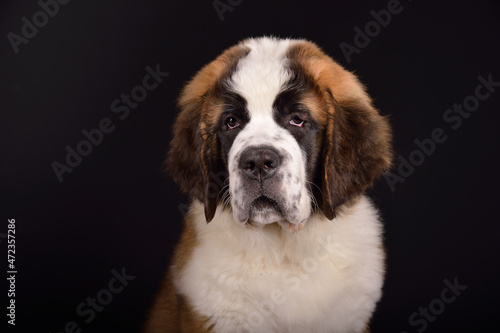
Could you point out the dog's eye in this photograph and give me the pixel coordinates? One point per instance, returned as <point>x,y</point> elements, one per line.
<point>232,123</point>
<point>297,121</point>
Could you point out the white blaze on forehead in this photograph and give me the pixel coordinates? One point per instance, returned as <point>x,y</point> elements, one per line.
<point>259,78</point>
<point>261,74</point>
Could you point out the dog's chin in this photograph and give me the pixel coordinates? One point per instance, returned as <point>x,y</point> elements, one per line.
<point>264,211</point>
<point>264,216</point>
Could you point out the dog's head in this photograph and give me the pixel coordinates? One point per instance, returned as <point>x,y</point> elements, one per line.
<point>273,129</point>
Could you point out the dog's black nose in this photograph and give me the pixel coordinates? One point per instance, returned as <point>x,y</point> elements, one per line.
<point>259,162</point>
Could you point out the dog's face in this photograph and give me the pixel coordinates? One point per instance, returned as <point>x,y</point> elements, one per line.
<point>274,129</point>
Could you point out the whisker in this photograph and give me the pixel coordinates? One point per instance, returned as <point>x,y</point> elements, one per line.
<point>313,199</point>
<point>315,204</point>
<point>226,197</point>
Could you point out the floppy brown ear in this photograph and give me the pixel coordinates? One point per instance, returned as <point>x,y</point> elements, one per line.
<point>356,152</point>
<point>357,140</point>
<point>194,155</point>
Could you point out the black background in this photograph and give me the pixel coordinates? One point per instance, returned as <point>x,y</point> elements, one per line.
<point>116,209</point>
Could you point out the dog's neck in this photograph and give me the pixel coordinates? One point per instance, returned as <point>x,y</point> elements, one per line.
<point>271,243</point>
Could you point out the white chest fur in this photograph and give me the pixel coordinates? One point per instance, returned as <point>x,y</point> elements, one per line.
<point>326,277</point>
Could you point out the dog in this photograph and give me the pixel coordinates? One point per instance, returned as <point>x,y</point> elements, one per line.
<point>276,144</point>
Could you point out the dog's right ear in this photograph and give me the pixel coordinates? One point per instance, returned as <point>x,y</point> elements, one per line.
<point>194,150</point>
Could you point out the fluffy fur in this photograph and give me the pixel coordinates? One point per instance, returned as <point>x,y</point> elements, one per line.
<point>276,144</point>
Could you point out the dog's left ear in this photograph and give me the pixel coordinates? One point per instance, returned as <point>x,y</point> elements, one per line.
<point>357,150</point>
<point>357,139</point>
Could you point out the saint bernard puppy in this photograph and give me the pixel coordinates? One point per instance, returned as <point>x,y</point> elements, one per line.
<point>275,143</point>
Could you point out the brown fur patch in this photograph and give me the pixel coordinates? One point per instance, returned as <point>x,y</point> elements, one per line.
<point>209,75</point>
<point>328,74</point>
